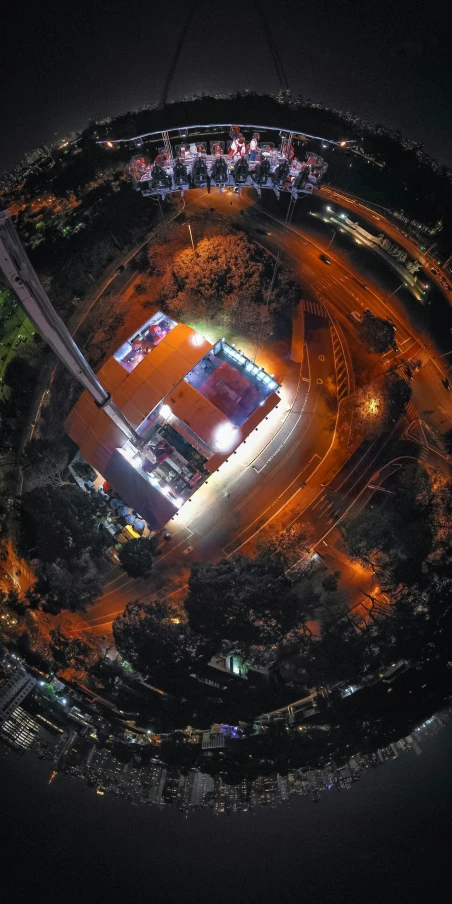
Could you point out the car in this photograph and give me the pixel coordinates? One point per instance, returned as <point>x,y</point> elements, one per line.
<point>356,316</point>
<point>391,323</point>
<point>446,383</point>
<point>433,270</point>
<point>408,371</point>
<point>394,345</point>
<point>325,259</point>
<point>262,231</point>
<point>167,535</point>
<point>120,269</point>
<point>370,314</point>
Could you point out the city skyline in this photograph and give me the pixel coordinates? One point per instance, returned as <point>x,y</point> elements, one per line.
<point>77,68</point>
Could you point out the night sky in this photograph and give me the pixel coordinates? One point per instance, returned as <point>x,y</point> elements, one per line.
<point>387,841</point>
<point>66,63</point>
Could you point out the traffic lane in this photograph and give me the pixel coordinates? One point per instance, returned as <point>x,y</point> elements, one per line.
<point>302,254</point>
<point>349,290</point>
<point>336,499</point>
<point>431,399</point>
<point>249,496</point>
<point>391,230</point>
<point>250,499</point>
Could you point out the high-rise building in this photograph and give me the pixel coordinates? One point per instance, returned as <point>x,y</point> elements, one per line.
<point>19,730</point>
<point>14,691</point>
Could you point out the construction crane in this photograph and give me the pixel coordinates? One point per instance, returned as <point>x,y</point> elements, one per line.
<point>280,71</point>
<point>175,60</point>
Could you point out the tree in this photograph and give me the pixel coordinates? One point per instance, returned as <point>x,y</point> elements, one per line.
<point>447,438</point>
<point>13,601</point>
<point>155,641</point>
<point>377,334</point>
<point>72,652</point>
<point>397,393</point>
<point>44,462</point>
<point>224,274</point>
<point>136,556</point>
<point>393,534</point>
<point>60,523</point>
<point>241,603</point>
<point>4,531</point>
<point>20,377</point>
<point>73,585</point>
<point>330,582</point>
<point>293,543</point>
<point>379,405</point>
<point>102,327</point>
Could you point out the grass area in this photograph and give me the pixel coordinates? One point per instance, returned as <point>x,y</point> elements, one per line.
<point>15,328</point>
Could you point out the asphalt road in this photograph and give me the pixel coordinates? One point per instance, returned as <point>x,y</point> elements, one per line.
<point>265,481</point>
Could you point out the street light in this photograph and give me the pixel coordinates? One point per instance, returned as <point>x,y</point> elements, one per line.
<point>191,236</point>
<point>394,292</point>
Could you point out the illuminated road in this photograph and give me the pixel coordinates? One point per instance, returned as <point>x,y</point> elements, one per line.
<point>263,482</point>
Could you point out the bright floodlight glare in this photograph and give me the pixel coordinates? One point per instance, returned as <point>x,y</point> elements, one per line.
<point>225,437</point>
<point>165,411</point>
<point>197,340</point>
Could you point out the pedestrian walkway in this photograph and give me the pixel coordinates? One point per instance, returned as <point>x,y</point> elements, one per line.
<point>423,357</point>
<point>340,365</point>
<point>313,307</point>
<point>297,350</point>
<point>411,412</point>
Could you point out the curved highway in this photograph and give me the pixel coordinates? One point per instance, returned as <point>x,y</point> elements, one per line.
<point>290,468</point>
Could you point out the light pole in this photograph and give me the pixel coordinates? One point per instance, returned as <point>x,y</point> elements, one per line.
<point>191,236</point>
<point>331,239</point>
<point>371,486</point>
<point>393,293</point>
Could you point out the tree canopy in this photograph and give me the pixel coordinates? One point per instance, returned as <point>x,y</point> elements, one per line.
<point>378,334</point>
<point>155,641</point>
<point>72,584</point>
<point>242,603</point>
<point>136,556</point>
<point>60,523</point>
<point>227,277</point>
<point>393,533</point>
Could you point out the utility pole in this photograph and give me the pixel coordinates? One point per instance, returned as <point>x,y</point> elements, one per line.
<point>191,236</point>
<point>387,297</point>
<point>26,286</point>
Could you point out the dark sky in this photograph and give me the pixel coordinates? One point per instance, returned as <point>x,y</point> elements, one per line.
<point>386,840</point>
<point>66,62</point>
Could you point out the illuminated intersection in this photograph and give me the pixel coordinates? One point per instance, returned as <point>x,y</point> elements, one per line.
<point>191,403</point>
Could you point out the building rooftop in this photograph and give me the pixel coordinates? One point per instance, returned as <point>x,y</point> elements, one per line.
<point>193,403</point>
